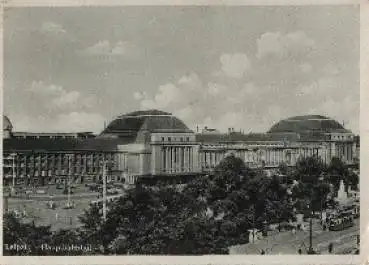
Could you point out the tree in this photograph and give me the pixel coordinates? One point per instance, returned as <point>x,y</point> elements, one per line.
<point>319,196</point>
<point>24,234</point>
<point>309,169</point>
<point>338,170</point>
<point>205,216</point>
<point>283,168</point>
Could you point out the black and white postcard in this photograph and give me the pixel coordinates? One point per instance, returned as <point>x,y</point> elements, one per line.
<point>182,130</point>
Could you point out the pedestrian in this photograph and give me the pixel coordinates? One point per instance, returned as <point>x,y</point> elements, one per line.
<point>330,248</point>
<point>262,252</point>
<point>299,251</point>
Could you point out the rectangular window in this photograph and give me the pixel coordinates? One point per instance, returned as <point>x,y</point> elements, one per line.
<point>169,139</point>
<point>162,139</point>
<point>187,139</point>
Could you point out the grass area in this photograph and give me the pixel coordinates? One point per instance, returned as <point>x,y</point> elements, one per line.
<point>41,214</point>
<point>34,206</point>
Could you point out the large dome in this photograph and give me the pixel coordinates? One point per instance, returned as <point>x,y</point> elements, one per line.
<point>307,123</point>
<point>7,125</point>
<point>133,124</point>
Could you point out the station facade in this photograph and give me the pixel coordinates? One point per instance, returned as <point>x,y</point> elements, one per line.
<point>155,144</point>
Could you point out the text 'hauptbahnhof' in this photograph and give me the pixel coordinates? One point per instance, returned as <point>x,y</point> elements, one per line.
<point>155,144</point>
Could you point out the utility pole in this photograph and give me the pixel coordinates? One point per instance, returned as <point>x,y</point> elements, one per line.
<point>13,169</point>
<point>104,190</point>
<point>311,235</point>
<point>69,169</point>
<point>253,225</point>
<point>310,250</point>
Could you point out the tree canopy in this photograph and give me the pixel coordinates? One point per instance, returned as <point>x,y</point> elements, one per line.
<point>207,215</point>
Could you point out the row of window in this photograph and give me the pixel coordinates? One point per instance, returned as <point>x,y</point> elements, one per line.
<point>342,137</point>
<point>181,139</point>
<point>45,137</point>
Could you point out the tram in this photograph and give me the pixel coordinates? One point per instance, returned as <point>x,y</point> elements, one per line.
<point>341,222</point>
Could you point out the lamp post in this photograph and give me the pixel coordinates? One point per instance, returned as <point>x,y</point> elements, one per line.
<point>310,250</point>
<point>13,155</point>
<point>104,189</point>
<point>106,165</point>
<point>13,168</point>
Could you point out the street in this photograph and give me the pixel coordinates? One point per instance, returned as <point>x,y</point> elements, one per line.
<point>287,243</point>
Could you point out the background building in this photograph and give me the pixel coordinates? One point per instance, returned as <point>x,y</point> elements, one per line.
<point>155,144</point>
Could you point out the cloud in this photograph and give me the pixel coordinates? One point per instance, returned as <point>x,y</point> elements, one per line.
<point>331,69</point>
<point>305,67</point>
<point>346,110</point>
<point>41,88</point>
<point>139,95</point>
<point>51,27</point>
<point>65,122</point>
<point>329,96</point>
<point>324,87</point>
<point>110,49</point>
<point>78,121</point>
<point>284,45</point>
<point>235,65</point>
<point>58,97</point>
<point>215,89</point>
<point>66,99</point>
<point>198,102</point>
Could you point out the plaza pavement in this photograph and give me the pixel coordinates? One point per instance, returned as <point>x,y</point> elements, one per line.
<point>286,243</point>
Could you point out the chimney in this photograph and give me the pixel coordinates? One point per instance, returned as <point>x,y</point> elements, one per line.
<point>197,128</point>
<point>229,130</point>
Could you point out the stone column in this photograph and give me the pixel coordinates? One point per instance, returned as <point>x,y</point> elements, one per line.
<point>168,158</point>
<point>185,166</point>
<point>183,159</point>
<point>180,149</point>
<point>354,150</point>
<point>189,158</point>
<point>333,151</point>
<point>173,160</point>
<point>177,159</point>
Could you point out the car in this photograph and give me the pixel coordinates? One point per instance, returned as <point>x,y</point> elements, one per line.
<point>41,191</point>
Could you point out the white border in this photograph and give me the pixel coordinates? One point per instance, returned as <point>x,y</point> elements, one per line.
<point>234,259</point>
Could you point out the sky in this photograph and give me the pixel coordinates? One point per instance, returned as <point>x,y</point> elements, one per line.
<point>69,69</point>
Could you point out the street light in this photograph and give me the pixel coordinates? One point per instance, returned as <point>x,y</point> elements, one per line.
<point>310,250</point>
<point>13,155</point>
<point>105,166</point>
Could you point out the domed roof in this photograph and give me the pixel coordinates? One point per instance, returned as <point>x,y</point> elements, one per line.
<point>138,123</point>
<point>7,125</point>
<point>307,123</point>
